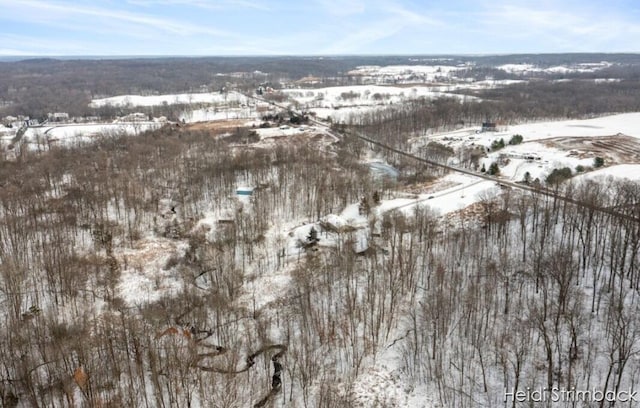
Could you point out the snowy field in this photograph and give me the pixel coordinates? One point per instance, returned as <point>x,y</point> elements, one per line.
<point>69,134</point>
<point>216,114</point>
<point>431,73</point>
<point>223,106</point>
<point>552,145</point>
<point>406,73</point>
<point>394,84</point>
<point>358,95</point>
<point>170,99</point>
<point>622,171</point>
<point>341,102</point>
<point>627,124</point>
<point>558,69</point>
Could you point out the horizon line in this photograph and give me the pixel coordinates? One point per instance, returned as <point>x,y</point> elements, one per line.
<point>149,56</point>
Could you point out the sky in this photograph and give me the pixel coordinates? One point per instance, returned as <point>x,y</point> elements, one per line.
<point>316,27</point>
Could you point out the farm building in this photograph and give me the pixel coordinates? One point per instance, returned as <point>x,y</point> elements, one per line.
<point>489,127</point>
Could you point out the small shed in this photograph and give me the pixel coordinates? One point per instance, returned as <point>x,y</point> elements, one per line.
<point>244,191</point>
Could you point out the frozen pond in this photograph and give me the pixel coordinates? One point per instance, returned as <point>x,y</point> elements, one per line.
<point>383,169</point>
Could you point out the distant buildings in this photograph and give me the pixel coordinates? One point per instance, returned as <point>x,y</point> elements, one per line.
<point>58,117</point>
<point>11,121</point>
<point>134,117</point>
<point>18,122</point>
<point>530,157</point>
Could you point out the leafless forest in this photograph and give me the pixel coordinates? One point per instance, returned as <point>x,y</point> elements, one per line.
<point>519,291</point>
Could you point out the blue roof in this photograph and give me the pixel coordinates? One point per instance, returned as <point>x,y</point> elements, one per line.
<point>244,190</point>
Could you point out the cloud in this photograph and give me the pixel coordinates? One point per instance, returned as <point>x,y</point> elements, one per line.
<point>556,26</point>
<point>364,37</point>
<point>383,20</point>
<point>342,8</point>
<point>410,16</point>
<point>198,27</point>
<point>203,4</point>
<point>53,13</point>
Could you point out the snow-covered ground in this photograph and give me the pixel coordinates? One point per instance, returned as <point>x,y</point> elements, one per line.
<point>340,102</point>
<point>558,69</point>
<point>281,131</point>
<point>626,123</point>
<point>546,159</point>
<point>346,113</point>
<point>222,105</point>
<point>384,85</point>
<point>621,171</point>
<point>405,73</point>
<point>145,278</point>
<point>435,72</point>
<point>169,99</point>
<point>358,95</point>
<point>552,144</point>
<point>489,83</point>
<point>68,134</point>
<point>215,114</point>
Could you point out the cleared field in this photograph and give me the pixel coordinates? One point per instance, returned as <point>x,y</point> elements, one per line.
<point>619,148</point>
<point>218,125</point>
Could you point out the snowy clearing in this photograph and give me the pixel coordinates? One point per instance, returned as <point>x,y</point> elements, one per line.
<point>622,171</point>
<point>341,102</point>
<point>218,114</point>
<point>551,145</point>
<point>558,69</point>
<point>169,99</point>
<point>68,134</point>
<point>407,73</point>
<point>626,123</point>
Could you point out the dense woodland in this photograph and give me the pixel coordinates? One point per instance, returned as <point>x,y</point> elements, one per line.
<point>520,291</point>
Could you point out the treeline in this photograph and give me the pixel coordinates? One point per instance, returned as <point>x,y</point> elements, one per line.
<point>571,99</point>
<point>35,87</point>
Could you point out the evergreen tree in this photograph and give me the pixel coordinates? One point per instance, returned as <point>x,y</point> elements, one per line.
<point>515,140</point>
<point>598,162</point>
<point>376,197</point>
<point>312,238</point>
